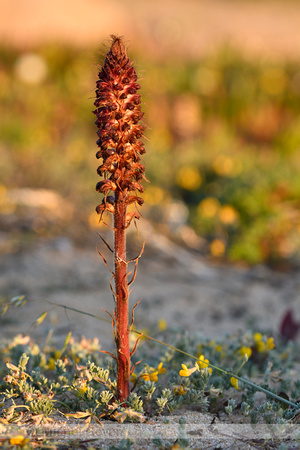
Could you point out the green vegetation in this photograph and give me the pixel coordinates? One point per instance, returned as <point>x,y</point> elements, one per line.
<point>224,139</point>
<point>79,382</point>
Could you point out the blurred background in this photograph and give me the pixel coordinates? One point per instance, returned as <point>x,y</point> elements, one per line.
<point>221,91</point>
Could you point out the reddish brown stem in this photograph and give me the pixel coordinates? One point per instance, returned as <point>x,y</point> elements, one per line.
<point>121,289</point>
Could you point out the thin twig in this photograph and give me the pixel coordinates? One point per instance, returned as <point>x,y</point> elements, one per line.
<point>135,345</point>
<point>132,314</point>
<point>105,262</point>
<point>107,245</point>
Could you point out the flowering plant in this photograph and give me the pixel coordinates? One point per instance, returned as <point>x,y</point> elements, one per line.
<point>118,115</point>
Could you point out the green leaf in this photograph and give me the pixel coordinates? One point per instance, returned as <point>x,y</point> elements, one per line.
<point>20,300</point>
<point>78,415</point>
<point>40,319</point>
<point>4,309</point>
<point>67,340</point>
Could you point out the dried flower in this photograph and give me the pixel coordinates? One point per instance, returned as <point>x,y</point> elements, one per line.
<point>118,112</point>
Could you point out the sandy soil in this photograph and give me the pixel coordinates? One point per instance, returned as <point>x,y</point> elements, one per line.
<point>174,284</point>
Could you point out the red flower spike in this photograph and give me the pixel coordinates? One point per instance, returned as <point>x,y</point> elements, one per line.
<point>118,115</point>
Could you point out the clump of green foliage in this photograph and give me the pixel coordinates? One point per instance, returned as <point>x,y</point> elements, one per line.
<point>80,382</point>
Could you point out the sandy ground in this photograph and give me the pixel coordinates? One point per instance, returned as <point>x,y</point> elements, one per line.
<point>174,283</point>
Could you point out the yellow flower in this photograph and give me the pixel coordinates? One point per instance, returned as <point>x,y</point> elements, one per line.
<point>260,346</point>
<point>257,337</point>
<point>19,439</point>
<point>245,351</point>
<point>162,324</point>
<point>228,215</point>
<point>208,207</point>
<point>202,363</point>
<point>153,375</point>
<point>217,247</point>
<point>185,372</point>
<point>150,376</point>
<point>234,382</point>
<point>146,376</point>
<point>51,364</point>
<point>188,178</point>
<point>223,165</point>
<point>155,195</point>
<point>180,391</point>
<point>218,348</point>
<point>270,343</point>
<point>160,368</point>
<point>81,385</point>
<point>133,377</point>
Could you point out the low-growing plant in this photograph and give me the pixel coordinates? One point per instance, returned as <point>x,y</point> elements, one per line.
<point>83,383</point>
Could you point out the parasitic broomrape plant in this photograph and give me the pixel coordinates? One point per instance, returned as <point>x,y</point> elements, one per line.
<point>118,112</point>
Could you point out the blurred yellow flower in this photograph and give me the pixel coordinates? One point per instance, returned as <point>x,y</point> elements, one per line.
<point>234,382</point>
<point>133,377</point>
<point>154,195</point>
<point>153,376</point>
<point>223,165</point>
<point>208,207</point>
<point>83,389</point>
<point>179,391</point>
<point>185,372</point>
<point>162,324</point>
<point>19,439</point>
<point>228,214</point>
<point>257,337</point>
<point>245,351</point>
<point>219,348</point>
<point>203,363</point>
<point>160,368</point>
<point>260,346</point>
<point>51,364</point>
<point>270,343</point>
<point>188,178</point>
<point>217,247</point>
